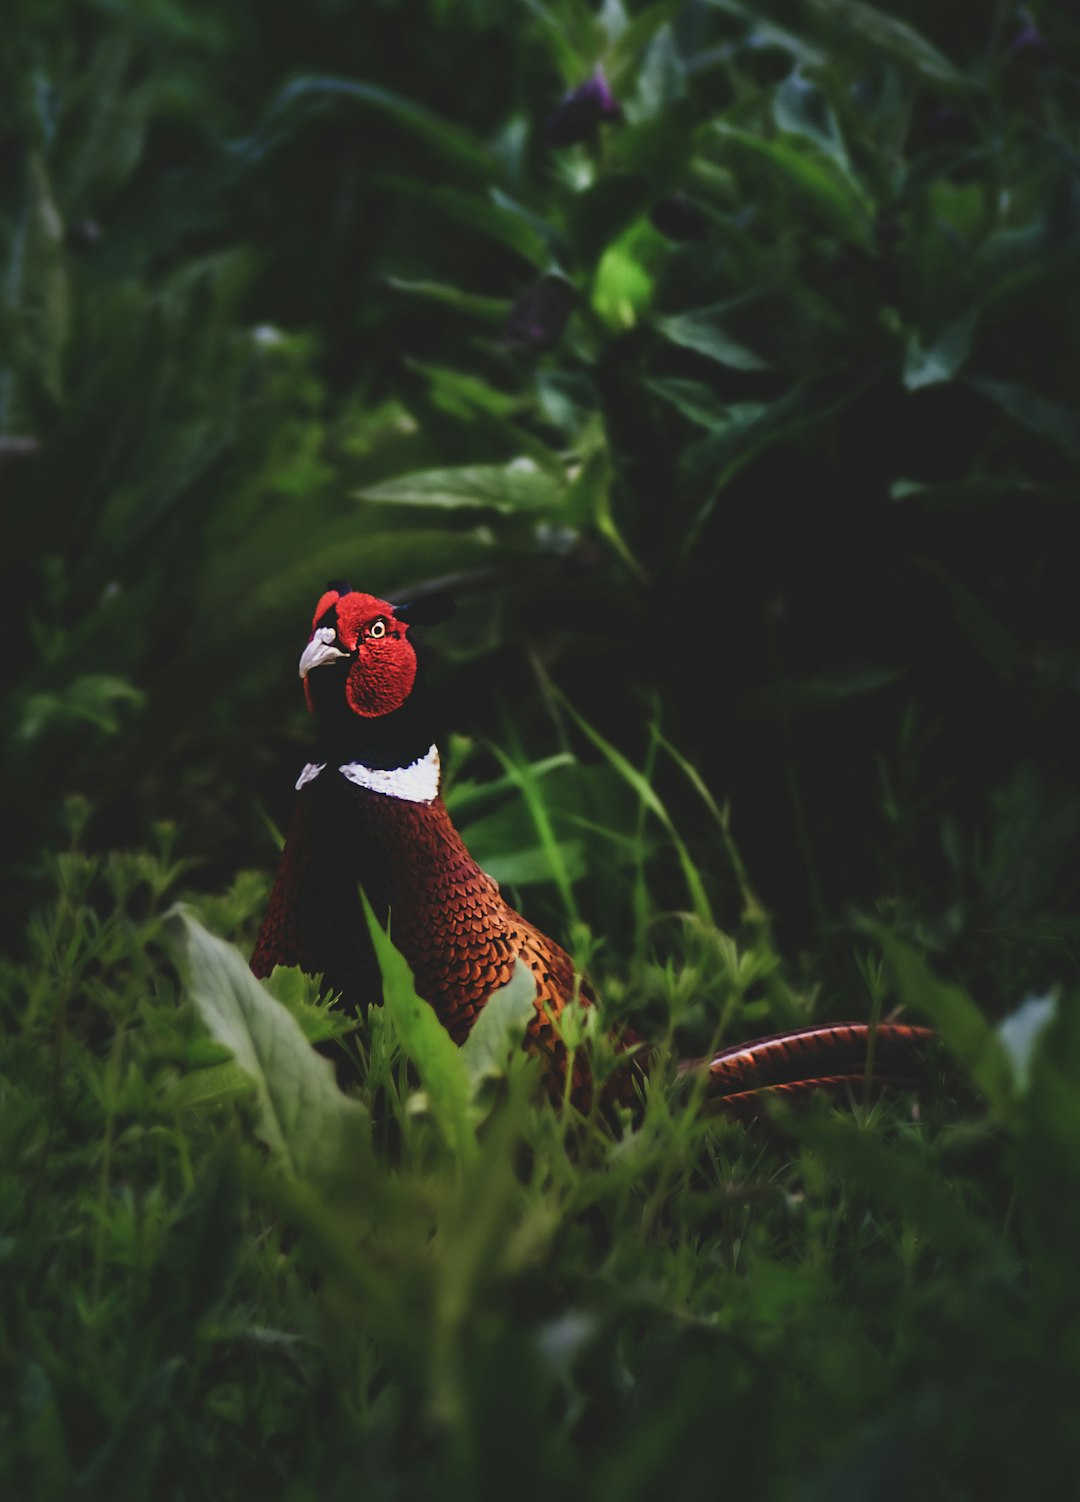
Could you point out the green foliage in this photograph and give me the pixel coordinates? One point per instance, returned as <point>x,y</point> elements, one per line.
<point>744,428</point>
<point>301,1282</point>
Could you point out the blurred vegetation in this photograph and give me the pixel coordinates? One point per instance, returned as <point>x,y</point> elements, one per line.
<point>722,357</point>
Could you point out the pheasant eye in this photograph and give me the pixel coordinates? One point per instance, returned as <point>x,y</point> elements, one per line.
<point>377,629</point>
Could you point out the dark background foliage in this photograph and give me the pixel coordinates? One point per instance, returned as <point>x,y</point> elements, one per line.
<point>737,400</point>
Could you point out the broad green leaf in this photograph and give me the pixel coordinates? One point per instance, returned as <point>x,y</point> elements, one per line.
<point>628,42</point>
<point>518,486</point>
<point>94,699</point>
<point>487,214</point>
<point>466,395</point>
<point>944,359</point>
<point>895,38</point>
<point>701,405</point>
<point>38,297</point>
<point>802,109</point>
<point>702,329</point>
<point>966,1033</point>
<point>563,862</point>
<point>1049,419</point>
<point>980,625</point>
<point>426,1042</point>
<point>815,178</point>
<point>763,33</point>
<point>661,81</point>
<point>215,1085</point>
<point>739,432</point>
<point>1021,1031</point>
<point>314,1132</point>
<point>308,98</point>
<point>500,1029</point>
<point>623,286</point>
<point>493,310</point>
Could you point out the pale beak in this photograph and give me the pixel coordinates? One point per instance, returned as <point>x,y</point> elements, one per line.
<point>320,650</point>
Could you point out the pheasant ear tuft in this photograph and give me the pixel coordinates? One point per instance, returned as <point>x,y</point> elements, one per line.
<point>427,610</point>
<point>342,586</point>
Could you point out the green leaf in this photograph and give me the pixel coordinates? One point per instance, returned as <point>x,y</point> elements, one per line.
<point>742,430</point>
<point>701,405</point>
<point>966,1033</point>
<point>802,109</point>
<point>1050,420</point>
<point>426,1042</point>
<point>299,994</point>
<point>494,310</point>
<point>895,38</point>
<point>520,485</point>
<point>648,798</point>
<point>489,215</point>
<point>893,1176</point>
<point>623,285</point>
<point>314,1132</point>
<point>38,297</point>
<point>500,1028</point>
<point>216,1085</point>
<point>564,862</point>
<point>945,357</point>
<point>308,98</point>
<point>824,188</point>
<point>1021,1031</point>
<point>96,699</point>
<point>123,1465</point>
<point>702,330</point>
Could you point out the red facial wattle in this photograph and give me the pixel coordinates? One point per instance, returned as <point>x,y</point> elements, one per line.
<point>382,672</point>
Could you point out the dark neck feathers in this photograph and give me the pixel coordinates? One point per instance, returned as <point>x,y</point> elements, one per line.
<point>393,740</point>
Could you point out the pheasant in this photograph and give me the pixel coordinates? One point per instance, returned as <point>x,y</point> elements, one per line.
<point>369,815</point>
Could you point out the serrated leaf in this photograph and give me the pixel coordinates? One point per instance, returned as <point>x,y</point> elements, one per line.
<point>519,486</point>
<point>500,1029</point>
<point>426,1042</point>
<point>314,1132</point>
<point>299,994</point>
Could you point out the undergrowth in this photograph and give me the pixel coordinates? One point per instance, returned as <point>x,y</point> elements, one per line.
<point>232,1264</point>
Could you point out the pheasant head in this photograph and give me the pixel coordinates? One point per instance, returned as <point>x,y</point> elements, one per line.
<point>361,678</point>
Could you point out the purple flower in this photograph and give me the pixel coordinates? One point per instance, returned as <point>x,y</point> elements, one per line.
<point>582,110</point>
<point>538,318</point>
<point>1030,46</point>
